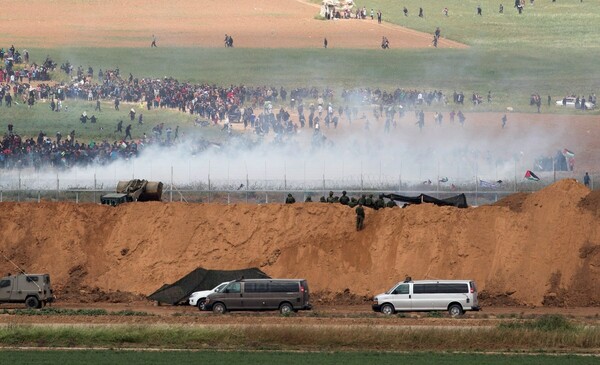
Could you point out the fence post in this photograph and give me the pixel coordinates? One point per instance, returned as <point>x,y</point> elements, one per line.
<point>76,197</point>
<point>57,187</point>
<point>171,191</point>
<point>95,187</point>
<point>39,198</point>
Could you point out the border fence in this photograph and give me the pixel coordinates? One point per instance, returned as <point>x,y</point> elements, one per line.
<point>261,191</point>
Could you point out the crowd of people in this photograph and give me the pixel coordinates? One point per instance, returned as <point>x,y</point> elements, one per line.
<point>253,106</point>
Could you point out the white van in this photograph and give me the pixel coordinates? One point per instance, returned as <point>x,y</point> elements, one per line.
<point>455,296</point>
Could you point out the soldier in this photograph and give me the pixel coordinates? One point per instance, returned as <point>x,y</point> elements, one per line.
<point>353,202</point>
<point>290,199</point>
<point>344,200</point>
<point>119,127</point>
<point>360,217</point>
<point>322,200</point>
<point>362,200</point>
<point>369,201</point>
<point>331,198</point>
<point>93,119</point>
<point>379,203</point>
<point>117,103</point>
<point>98,107</point>
<point>391,204</point>
<point>308,199</point>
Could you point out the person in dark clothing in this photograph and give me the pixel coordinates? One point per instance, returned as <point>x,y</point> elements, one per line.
<point>421,13</point>
<point>308,199</point>
<point>98,108</point>
<point>391,204</point>
<point>128,132</point>
<point>586,180</point>
<point>119,127</point>
<point>141,119</point>
<point>344,200</point>
<point>362,200</point>
<point>325,43</point>
<point>290,199</point>
<point>360,217</point>
<point>405,10</point>
<point>153,44</point>
<point>479,10</point>
<point>379,203</point>
<point>369,201</point>
<point>331,198</point>
<point>504,119</point>
<point>93,119</point>
<point>132,114</point>
<point>117,103</point>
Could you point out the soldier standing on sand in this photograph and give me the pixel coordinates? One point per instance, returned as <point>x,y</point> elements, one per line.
<point>290,199</point>
<point>360,217</point>
<point>325,43</point>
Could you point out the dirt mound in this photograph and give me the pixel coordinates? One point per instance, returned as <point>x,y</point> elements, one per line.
<point>591,202</point>
<point>545,252</point>
<point>513,202</point>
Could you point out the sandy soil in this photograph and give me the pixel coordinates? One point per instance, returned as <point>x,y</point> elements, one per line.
<point>543,253</point>
<point>192,23</point>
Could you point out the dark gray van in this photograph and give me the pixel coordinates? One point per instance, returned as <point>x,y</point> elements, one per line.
<point>285,295</point>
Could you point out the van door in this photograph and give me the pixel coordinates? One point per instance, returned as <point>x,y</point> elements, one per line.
<point>401,297</point>
<point>423,296</point>
<point>232,296</point>
<point>255,295</point>
<point>5,289</point>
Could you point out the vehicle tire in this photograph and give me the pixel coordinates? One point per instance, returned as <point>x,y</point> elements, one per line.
<point>455,310</point>
<point>200,303</point>
<point>32,302</point>
<point>388,309</point>
<point>219,308</point>
<point>286,308</point>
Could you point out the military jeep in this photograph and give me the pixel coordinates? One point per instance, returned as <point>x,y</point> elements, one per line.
<point>32,289</point>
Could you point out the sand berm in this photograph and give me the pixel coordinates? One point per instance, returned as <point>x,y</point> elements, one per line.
<point>541,248</point>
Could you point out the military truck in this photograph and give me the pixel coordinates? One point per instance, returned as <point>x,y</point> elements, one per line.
<point>134,190</point>
<point>32,289</point>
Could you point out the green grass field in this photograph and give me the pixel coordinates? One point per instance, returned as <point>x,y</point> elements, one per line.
<point>287,358</point>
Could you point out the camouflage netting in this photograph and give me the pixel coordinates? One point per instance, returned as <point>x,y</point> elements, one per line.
<point>200,279</point>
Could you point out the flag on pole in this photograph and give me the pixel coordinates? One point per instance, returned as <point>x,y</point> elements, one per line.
<point>531,176</point>
<point>487,184</point>
<point>568,154</point>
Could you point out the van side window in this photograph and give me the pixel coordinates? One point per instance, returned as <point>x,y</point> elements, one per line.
<point>424,288</point>
<point>256,287</point>
<point>401,289</point>
<point>234,288</point>
<point>4,283</point>
<point>32,278</point>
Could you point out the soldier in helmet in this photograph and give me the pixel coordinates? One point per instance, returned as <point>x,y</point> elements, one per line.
<point>369,201</point>
<point>290,199</point>
<point>353,202</point>
<point>362,200</point>
<point>331,198</point>
<point>379,203</point>
<point>360,217</point>
<point>308,199</point>
<point>391,204</point>
<point>344,200</point>
<point>322,200</point>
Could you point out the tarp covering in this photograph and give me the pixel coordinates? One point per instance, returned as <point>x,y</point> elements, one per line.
<point>201,279</point>
<point>459,201</point>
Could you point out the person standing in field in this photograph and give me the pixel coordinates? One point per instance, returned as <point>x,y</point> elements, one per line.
<point>325,43</point>
<point>153,44</point>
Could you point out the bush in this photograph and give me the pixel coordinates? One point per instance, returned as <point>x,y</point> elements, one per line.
<point>547,322</point>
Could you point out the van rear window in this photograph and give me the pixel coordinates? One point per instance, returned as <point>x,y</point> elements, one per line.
<point>32,278</point>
